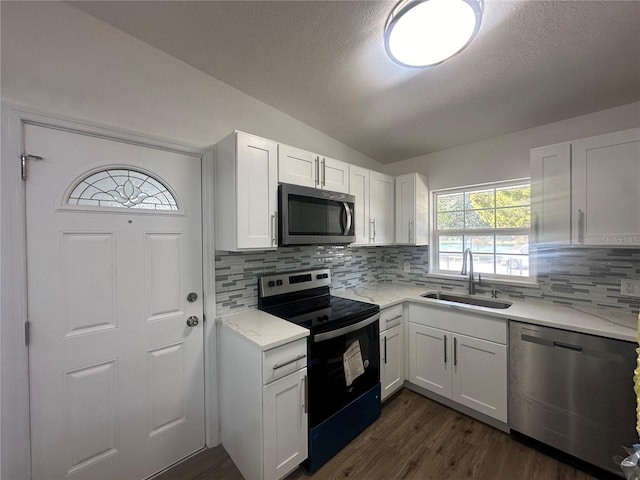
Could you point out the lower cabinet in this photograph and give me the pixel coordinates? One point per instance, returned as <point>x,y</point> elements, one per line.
<point>392,352</point>
<point>469,368</point>
<point>263,406</point>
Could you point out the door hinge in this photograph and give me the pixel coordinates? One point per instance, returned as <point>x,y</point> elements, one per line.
<point>23,163</point>
<point>27,332</point>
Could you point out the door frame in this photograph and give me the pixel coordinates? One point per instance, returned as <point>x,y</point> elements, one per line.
<point>15,435</point>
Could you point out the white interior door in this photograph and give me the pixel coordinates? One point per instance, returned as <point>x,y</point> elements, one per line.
<point>114,247</point>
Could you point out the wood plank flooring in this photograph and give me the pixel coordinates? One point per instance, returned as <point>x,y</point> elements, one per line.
<point>415,438</point>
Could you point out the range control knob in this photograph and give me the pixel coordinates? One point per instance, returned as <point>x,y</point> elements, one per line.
<point>272,283</point>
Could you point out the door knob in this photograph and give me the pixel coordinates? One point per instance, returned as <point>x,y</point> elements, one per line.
<point>192,321</point>
<point>192,297</point>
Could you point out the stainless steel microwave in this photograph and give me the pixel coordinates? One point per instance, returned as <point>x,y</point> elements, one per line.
<point>308,216</point>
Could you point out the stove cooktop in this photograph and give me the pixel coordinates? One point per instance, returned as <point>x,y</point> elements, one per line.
<point>324,313</point>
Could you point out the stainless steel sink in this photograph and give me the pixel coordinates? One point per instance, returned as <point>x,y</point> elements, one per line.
<point>469,300</point>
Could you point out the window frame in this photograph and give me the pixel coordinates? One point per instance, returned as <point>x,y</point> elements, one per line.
<point>434,269</point>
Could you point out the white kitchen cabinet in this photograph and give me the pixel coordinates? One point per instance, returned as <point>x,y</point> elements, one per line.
<point>460,356</point>
<point>585,192</point>
<point>381,209</point>
<point>263,405</point>
<point>412,209</point>
<point>392,350</point>
<point>551,195</point>
<point>604,189</point>
<point>359,188</point>
<point>246,189</point>
<point>308,169</point>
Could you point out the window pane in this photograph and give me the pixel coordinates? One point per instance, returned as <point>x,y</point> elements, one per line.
<point>479,199</point>
<point>480,243</point>
<point>450,202</point>
<point>447,243</point>
<point>515,217</point>
<point>450,261</point>
<point>516,244</point>
<point>513,196</point>
<point>475,219</point>
<point>517,265</point>
<point>483,263</point>
<point>450,221</point>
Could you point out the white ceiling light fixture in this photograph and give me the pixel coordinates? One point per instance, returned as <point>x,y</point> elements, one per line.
<point>424,33</point>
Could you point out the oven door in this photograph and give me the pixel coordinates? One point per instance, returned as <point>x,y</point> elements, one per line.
<point>329,388</point>
<point>313,217</point>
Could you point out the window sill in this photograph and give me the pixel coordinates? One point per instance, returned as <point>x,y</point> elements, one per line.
<point>522,282</point>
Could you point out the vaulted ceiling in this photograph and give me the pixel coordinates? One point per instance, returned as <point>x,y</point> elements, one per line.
<point>324,63</point>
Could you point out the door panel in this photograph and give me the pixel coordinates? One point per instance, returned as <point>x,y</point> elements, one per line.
<point>116,377</point>
<point>429,358</point>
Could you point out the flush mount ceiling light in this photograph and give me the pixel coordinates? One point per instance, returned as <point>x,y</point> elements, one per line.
<point>423,33</point>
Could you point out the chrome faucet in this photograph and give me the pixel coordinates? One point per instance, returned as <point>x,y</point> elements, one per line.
<point>472,289</point>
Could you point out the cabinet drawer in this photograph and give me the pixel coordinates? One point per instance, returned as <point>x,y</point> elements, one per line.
<point>281,361</point>
<point>390,317</point>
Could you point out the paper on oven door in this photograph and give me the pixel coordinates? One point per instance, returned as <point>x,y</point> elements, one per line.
<point>352,361</point>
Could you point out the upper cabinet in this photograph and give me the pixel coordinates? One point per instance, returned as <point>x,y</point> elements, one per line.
<point>308,169</point>
<point>359,188</point>
<point>412,209</point>
<point>246,189</point>
<point>551,195</point>
<point>605,189</point>
<point>586,192</point>
<point>381,209</point>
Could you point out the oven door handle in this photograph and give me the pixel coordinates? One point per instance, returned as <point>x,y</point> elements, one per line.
<point>321,337</point>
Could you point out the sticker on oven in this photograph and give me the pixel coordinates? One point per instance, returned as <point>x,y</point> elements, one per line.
<point>352,361</point>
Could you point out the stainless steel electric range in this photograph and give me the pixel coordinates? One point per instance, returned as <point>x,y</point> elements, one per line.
<point>343,352</point>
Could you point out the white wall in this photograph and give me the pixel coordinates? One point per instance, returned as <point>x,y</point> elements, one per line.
<point>58,59</point>
<point>507,157</point>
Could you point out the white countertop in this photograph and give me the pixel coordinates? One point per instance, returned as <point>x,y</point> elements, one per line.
<point>592,320</point>
<point>263,330</point>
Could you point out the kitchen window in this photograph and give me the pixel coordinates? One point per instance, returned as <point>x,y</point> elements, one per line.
<point>492,220</point>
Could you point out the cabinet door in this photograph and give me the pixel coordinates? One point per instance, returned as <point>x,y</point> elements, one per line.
<point>359,188</point>
<point>391,360</point>
<point>298,166</point>
<point>480,376</point>
<point>551,195</point>
<point>430,358</point>
<point>405,208</point>
<point>381,205</point>
<point>335,175</point>
<point>257,191</point>
<point>285,424</point>
<point>605,193</point>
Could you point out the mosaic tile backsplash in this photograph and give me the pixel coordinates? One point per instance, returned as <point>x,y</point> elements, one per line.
<point>566,275</point>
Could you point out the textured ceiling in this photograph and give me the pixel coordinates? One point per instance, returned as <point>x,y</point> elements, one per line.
<point>323,62</point>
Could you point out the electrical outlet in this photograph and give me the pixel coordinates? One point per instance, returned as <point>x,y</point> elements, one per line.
<point>407,267</point>
<point>630,287</point>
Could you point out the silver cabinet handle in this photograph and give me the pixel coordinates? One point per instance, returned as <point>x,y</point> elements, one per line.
<point>324,172</point>
<point>347,210</point>
<point>274,240</point>
<point>374,229</point>
<point>410,227</point>
<point>445,349</point>
<point>317,170</point>
<point>192,321</point>
<point>580,226</point>
<point>455,351</point>
<point>394,318</point>
<point>385,350</point>
<point>288,362</point>
<point>536,227</point>
<point>306,395</point>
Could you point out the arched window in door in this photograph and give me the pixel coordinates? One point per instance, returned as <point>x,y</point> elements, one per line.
<point>122,188</point>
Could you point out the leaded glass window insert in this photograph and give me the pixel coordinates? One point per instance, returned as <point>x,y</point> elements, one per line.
<point>122,188</point>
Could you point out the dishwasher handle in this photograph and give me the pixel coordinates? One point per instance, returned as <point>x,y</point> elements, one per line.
<point>567,346</point>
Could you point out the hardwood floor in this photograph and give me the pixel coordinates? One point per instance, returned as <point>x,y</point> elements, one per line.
<point>415,438</point>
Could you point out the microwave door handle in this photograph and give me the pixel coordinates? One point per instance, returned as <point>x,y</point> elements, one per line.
<point>347,210</point>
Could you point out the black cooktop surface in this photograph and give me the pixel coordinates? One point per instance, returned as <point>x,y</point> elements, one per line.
<point>324,313</point>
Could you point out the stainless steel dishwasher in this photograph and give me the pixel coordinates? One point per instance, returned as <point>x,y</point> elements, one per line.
<point>573,391</point>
